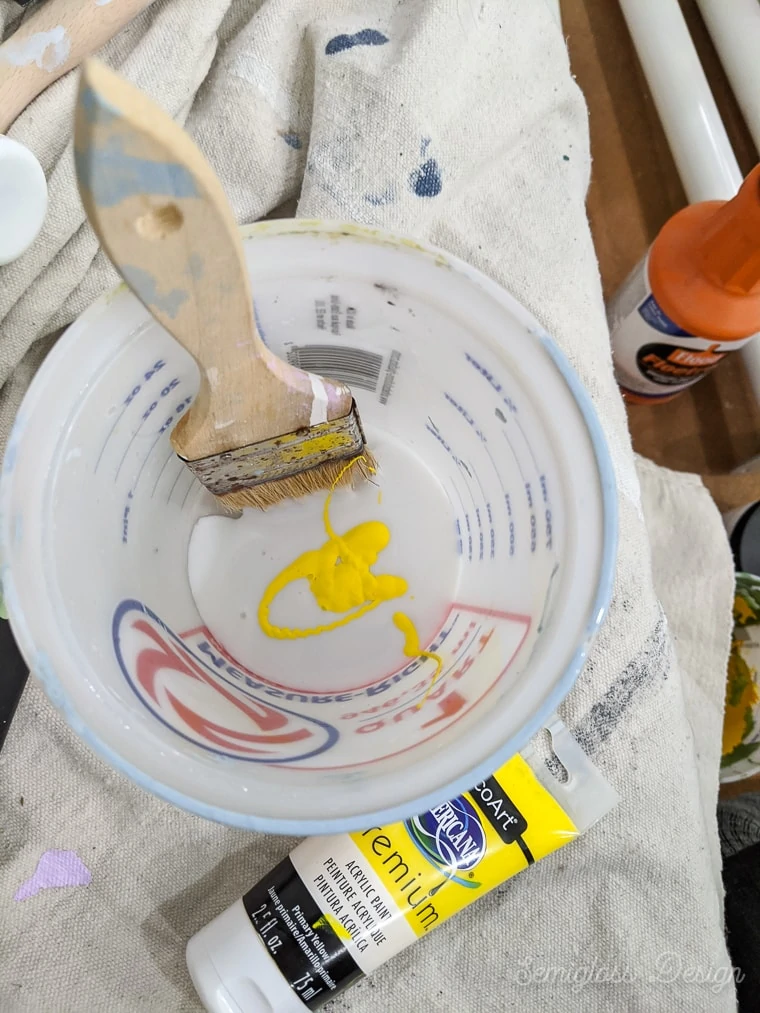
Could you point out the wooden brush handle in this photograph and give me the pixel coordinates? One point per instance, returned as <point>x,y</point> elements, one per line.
<point>162,217</point>
<point>54,39</point>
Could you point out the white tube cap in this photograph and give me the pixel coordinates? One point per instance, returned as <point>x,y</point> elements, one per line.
<point>23,199</point>
<point>232,970</point>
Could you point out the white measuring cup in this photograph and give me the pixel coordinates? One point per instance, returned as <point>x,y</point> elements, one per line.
<point>494,481</point>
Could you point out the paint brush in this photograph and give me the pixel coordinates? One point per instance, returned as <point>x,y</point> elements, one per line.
<point>259,430</point>
<point>52,40</point>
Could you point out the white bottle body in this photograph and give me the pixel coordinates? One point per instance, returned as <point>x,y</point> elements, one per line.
<point>654,357</point>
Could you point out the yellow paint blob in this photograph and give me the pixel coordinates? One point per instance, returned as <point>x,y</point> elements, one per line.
<point>412,648</point>
<point>341,580</point>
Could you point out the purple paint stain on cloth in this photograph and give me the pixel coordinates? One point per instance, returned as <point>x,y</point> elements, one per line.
<point>55,868</point>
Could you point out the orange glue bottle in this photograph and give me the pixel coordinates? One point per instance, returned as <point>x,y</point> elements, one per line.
<point>694,297</point>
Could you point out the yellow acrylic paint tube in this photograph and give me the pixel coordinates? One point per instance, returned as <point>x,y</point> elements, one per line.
<point>338,907</point>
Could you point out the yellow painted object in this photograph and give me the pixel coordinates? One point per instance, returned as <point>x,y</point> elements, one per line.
<point>741,734</point>
<point>341,579</point>
<point>425,886</point>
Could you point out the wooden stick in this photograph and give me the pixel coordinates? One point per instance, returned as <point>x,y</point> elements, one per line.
<point>163,219</point>
<point>54,39</point>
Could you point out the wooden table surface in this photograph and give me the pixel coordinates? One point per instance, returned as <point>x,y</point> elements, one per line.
<point>635,188</point>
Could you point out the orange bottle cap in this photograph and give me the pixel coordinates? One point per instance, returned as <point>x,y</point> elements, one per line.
<point>729,253</point>
<point>704,266</point>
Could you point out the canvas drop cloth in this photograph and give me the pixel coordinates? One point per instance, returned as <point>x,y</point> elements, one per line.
<point>456,121</point>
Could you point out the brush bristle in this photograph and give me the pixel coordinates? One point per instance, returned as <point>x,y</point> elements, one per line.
<point>324,476</point>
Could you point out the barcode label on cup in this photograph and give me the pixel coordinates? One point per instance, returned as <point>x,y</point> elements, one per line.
<point>358,367</point>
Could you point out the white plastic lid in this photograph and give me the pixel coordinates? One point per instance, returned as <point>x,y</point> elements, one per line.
<point>232,970</point>
<point>23,199</point>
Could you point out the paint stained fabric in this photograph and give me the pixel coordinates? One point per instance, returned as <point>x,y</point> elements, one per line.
<point>379,200</point>
<point>489,85</point>
<point>366,37</point>
<point>55,869</point>
<point>426,181</point>
<point>641,675</point>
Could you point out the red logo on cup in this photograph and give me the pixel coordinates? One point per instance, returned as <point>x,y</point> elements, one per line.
<point>203,705</point>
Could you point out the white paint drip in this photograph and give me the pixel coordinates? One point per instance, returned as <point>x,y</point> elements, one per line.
<point>319,404</point>
<point>212,374</point>
<point>223,425</point>
<point>48,50</point>
<point>102,3</point>
<point>284,101</point>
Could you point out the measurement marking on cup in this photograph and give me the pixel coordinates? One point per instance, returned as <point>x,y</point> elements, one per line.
<point>110,434</point>
<point>464,514</point>
<point>527,444</point>
<point>461,410</point>
<point>169,422</point>
<point>146,377</point>
<point>184,498</point>
<point>528,490</point>
<point>472,471</point>
<point>506,500</point>
<point>159,434</point>
<point>172,385</point>
<point>480,533</point>
<point>547,512</point>
<point>171,457</point>
<point>469,473</point>
<point>494,383</point>
<point>125,519</point>
<point>182,471</point>
<point>514,454</point>
<point>464,470</point>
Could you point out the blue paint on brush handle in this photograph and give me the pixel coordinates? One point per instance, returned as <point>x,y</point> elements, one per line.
<point>110,173</point>
<point>145,286</point>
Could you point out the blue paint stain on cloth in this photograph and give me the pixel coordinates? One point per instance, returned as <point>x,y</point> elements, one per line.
<point>379,200</point>
<point>426,181</point>
<point>366,37</point>
<point>292,141</point>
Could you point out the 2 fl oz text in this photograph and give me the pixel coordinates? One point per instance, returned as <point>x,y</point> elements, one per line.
<point>266,923</point>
